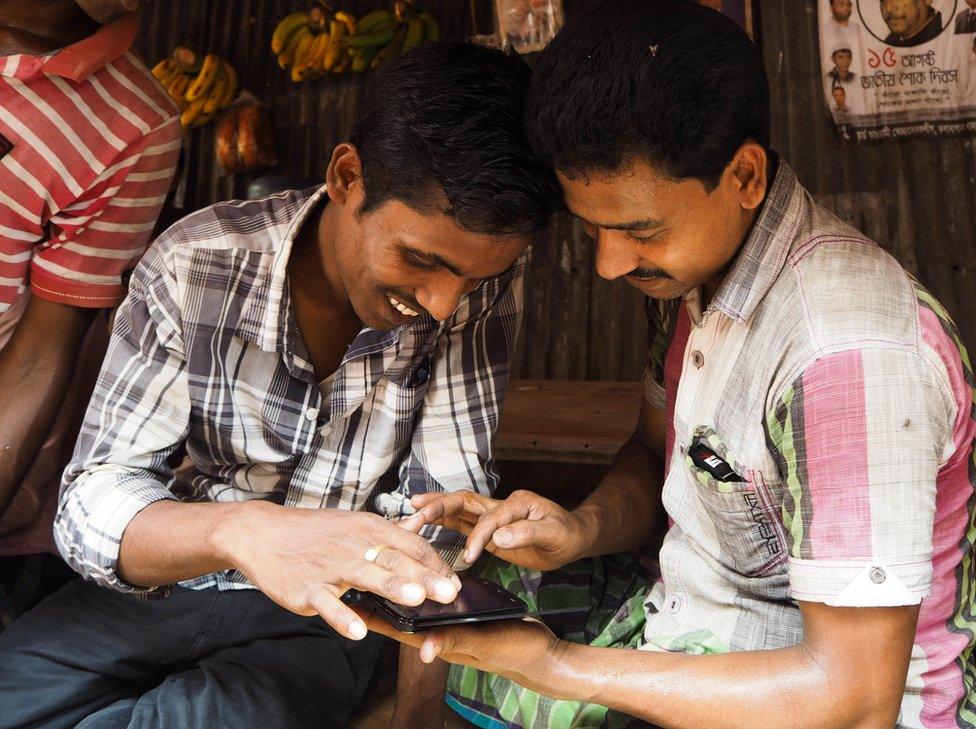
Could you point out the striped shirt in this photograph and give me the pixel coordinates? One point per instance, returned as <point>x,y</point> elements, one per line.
<point>838,390</point>
<point>206,354</point>
<point>88,146</point>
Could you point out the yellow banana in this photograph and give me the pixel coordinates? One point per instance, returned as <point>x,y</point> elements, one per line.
<point>204,80</point>
<point>415,34</point>
<point>344,63</point>
<point>177,86</point>
<point>230,91</point>
<point>315,57</point>
<point>348,20</point>
<point>336,31</point>
<point>217,91</point>
<point>301,55</point>
<point>164,68</point>
<point>291,48</point>
<point>192,111</point>
<point>284,30</point>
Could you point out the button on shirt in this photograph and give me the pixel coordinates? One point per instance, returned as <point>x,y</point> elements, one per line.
<point>205,351</point>
<point>838,390</point>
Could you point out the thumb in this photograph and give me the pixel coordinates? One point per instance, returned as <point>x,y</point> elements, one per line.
<point>523,534</point>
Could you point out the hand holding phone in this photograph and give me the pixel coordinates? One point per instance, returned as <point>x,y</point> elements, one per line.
<point>478,601</point>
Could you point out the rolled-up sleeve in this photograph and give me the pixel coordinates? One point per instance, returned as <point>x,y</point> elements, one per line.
<point>859,437</point>
<point>138,415</point>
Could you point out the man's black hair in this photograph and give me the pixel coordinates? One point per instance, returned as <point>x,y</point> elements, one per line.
<point>441,129</point>
<point>668,82</point>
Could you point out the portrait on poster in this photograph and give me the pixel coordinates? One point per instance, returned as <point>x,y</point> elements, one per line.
<point>528,25</point>
<point>899,68</point>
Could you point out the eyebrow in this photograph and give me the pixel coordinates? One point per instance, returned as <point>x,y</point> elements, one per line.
<point>438,261</point>
<point>634,225</point>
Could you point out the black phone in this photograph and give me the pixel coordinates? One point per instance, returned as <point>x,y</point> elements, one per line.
<point>479,601</point>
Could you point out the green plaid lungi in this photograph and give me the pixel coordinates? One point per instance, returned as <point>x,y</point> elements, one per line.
<point>599,602</point>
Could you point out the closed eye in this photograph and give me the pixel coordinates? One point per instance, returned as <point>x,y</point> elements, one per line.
<point>644,239</point>
<point>418,262</point>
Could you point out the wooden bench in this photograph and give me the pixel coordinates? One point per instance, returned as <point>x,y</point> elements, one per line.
<point>565,421</point>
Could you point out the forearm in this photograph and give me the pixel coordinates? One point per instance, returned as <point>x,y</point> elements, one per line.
<point>36,367</point>
<point>420,691</point>
<point>786,688</point>
<point>171,541</point>
<point>625,510</point>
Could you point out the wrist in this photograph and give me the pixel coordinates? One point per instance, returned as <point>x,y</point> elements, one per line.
<point>587,532</point>
<point>235,528</point>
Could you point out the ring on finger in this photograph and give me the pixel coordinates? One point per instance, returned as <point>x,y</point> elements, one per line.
<point>373,552</point>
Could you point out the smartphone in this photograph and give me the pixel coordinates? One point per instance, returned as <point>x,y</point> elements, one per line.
<point>479,601</point>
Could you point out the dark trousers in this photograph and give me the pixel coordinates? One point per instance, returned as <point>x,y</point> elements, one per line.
<point>93,658</point>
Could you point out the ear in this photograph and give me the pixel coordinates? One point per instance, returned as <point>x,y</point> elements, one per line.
<point>344,175</point>
<point>748,168</point>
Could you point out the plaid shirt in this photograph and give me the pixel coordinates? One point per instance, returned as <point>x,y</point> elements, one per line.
<point>206,353</point>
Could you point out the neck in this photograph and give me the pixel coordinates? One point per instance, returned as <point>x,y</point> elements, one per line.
<point>41,26</point>
<point>313,270</point>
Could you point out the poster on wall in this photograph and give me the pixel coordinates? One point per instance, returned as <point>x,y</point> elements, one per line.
<point>739,10</point>
<point>894,69</point>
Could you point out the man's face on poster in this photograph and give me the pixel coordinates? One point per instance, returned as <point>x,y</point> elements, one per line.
<point>905,18</point>
<point>840,95</point>
<point>843,60</point>
<point>842,9</point>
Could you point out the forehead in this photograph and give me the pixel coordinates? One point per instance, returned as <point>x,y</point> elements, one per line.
<point>434,233</point>
<point>634,192</point>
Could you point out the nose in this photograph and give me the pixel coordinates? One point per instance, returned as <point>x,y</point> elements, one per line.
<point>441,297</point>
<point>614,257</point>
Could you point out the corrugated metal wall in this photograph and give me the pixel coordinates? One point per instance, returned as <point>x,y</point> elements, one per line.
<point>918,198</point>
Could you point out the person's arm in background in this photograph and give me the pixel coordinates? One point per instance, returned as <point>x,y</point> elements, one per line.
<point>451,449</point>
<point>75,272</point>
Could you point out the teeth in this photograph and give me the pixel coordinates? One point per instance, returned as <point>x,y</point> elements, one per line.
<point>402,308</point>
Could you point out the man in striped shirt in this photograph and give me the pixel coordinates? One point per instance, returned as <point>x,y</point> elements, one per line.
<point>88,148</point>
<point>319,356</point>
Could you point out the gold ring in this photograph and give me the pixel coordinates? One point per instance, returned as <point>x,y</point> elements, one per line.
<point>373,552</point>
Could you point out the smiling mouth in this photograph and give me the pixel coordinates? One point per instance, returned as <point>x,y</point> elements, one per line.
<point>401,307</point>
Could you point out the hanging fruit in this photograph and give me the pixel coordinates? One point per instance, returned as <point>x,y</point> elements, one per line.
<point>200,85</point>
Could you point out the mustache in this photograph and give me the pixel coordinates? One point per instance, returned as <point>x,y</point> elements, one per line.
<point>646,274</point>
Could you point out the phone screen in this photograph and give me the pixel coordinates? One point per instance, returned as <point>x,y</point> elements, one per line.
<point>478,597</point>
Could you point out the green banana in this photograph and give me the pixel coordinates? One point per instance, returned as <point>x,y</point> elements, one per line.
<point>392,48</point>
<point>376,39</point>
<point>415,34</point>
<point>433,30</point>
<point>288,25</point>
<point>371,21</point>
<point>362,57</point>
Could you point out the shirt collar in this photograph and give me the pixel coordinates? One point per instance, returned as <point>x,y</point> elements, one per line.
<point>763,255</point>
<point>80,60</point>
<point>270,323</point>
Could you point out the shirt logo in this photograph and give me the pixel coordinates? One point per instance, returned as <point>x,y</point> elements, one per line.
<point>5,146</point>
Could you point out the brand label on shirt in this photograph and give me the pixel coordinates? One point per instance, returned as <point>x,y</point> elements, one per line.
<point>708,460</point>
<point>5,146</point>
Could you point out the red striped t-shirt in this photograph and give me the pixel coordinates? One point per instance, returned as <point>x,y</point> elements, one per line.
<point>89,146</point>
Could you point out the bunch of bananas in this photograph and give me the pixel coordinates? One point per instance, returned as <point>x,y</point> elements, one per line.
<point>381,35</point>
<point>200,86</point>
<point>311,43</point>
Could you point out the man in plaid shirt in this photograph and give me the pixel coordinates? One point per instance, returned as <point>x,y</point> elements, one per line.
<point>280,371</point>
<point>807,432</point>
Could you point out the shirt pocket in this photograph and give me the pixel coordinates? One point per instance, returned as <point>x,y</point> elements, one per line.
<point>393,414</point>
<point>751,538</point>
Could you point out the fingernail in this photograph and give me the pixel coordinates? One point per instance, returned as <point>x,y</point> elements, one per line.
<point>445,589</point>
<point>357,630</point>
<point>467,557</point>
<point>457,581</point>
<point>503,537</point>
<point>412,592</point>
<point>426,654</point>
